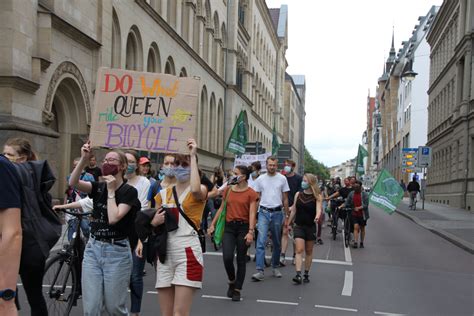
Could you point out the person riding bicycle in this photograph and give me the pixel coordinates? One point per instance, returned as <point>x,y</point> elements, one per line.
<point>413,188</point>
<point>343,193</point>
<point>358,201</point>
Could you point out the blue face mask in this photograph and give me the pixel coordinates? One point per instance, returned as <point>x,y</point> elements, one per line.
<point>182,174</point>
<point>168,171</point>
<point>304,185</point>
<point>161,176</point>
<point>131,168</point>
<point>287,169</point>
<point>254,174</point>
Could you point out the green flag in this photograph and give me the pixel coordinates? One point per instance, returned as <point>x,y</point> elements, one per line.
<point>387,193</point>
<point>275,143</point>
<point>361,154</point>
<point>238,137</point>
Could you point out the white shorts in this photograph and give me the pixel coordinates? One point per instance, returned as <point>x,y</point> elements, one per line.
<point>183,266</point>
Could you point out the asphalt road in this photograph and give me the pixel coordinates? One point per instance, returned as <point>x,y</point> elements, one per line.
<point>403,270</point>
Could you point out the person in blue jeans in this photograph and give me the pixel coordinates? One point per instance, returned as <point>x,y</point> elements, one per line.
<point>107,264</point>
<point>74,195</point>
<point>273,188</point>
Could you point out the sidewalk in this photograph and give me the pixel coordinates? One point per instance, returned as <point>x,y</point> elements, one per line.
<point>453,224</point>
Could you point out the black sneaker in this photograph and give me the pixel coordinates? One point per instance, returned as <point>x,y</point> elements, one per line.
<point>361,245</point>
<point>354,245</point>
<point>306,278</point>
<point>297,279</point>
<point>236,296</point>
<point>230,290</point>
<point>320,241</point>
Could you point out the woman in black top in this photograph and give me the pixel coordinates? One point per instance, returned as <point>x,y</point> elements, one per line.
<point>107,263</point>
<point>305,212</point>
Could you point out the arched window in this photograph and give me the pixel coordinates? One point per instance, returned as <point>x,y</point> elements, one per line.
<point>185,11</point>
<point>153,61</point>
<point>207,46</point>
<point>223,48</point>
<point>116,41</point>
<point>183,72</point>
<point>220,127</point>
<point>169,67</point>
<point>196,28</point>
<point>171,14</point>
<point>134,53</point>
<point>215,45</point>
<point>203,121</point>
<point>212,134</point>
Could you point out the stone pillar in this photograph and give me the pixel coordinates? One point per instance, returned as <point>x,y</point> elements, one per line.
<point>190,24</point>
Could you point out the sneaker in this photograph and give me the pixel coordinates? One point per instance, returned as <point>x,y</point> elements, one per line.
<point>320,241</point>
<point>354,245</point>
<point>236,296</point>
<point>282,261</point>
<point>306,278</point>
<point>230,290</point>
<point>276,273</point>
<point>361,245</point>
<point>258,276</point>
<point>297,279</point>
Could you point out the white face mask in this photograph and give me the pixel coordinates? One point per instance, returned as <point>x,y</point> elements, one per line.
<point>287,169</point>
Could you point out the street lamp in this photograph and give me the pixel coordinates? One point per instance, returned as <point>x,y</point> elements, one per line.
<point>409,74</point>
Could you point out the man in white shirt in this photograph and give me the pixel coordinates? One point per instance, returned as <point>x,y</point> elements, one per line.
<point>273,188</point>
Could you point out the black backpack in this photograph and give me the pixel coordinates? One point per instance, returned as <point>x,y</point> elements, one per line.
<point>38,220</point>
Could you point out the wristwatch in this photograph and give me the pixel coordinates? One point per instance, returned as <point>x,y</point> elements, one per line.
<point>7,294</point>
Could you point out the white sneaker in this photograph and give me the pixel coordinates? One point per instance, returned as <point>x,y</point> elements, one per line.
<point>259,276</point>
<point>276,273</point>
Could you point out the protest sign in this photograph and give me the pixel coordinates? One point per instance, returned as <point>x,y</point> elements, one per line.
<point>144,111</point>
<point>247,160</point>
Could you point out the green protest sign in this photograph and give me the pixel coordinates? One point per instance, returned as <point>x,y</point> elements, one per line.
<point>238,137</point>
<point>387,193</point>
<point>275,143</point>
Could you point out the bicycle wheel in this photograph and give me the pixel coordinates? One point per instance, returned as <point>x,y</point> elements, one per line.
<point>60,283</point>
<point>347,231</point>
<point>334,224</point>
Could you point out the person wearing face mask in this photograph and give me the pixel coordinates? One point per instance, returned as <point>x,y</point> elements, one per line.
<point>182,271</point>
<point>142,185</point>
<point>167,172</point>
<point>306,212</point>
<point>105,278</point>
<point>358,201</point>
<point>239,228</point>
<point>294,182</point>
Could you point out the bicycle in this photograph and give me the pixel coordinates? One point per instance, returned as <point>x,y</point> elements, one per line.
<point>347,225</point>
<point>335,215</point>
<point>62,273</point>
<point>413,201</point>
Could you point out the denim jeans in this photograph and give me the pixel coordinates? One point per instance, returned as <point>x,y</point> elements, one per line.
<point>106,271</point>
<point>234,239</point>
<point>136,281</point>
<point>272,221</point>
<point>71,227</point>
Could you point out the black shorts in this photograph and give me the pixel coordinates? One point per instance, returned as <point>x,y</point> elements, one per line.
<point>305,232</point>
<point>359,220</point>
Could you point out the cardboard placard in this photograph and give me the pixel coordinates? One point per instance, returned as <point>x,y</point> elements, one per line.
<point>144,111</point>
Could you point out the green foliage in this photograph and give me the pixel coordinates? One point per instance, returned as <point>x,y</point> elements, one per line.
<point>313,166</point>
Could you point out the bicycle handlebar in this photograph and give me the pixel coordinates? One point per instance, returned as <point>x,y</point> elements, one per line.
<point>76,214</point>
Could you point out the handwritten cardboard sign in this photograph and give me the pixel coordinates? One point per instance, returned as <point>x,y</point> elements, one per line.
<point>144,111</point>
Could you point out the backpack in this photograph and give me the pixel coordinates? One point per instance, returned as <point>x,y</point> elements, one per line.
<point>38,220</point>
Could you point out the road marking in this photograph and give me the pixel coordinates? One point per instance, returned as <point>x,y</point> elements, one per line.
<point>152,292</point>
<point>389,314</point>
<point>336,262</point>
<point>336,308</point>
<point>277,302</point>
<point>216,297</point>
<point>348,281</point>
<point>347,250</point>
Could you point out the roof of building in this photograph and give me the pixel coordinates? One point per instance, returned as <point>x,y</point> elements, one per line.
<point>299,80</point>
<point>279,18</point>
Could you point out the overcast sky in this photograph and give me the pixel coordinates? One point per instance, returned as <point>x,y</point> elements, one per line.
<point>341,46</point>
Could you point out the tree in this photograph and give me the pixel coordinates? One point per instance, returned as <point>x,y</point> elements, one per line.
<point>313,166</point>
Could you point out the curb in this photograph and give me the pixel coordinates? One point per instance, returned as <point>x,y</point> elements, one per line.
<point>465,245</point>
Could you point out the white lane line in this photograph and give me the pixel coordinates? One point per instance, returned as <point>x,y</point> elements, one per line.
<point>336,308</point>
<point>336,262</point>
<point>152,292</point>
<point>347,250</point>
<point>389,314</point>
<point>348,281</point>
<point>216,297</point>
<point>277,302</point>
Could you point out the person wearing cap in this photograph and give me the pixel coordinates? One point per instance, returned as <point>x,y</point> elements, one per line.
<point>144,169</point>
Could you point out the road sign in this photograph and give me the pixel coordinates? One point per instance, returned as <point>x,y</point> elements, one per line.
<point>409,160</point>
<point>424,156</point>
